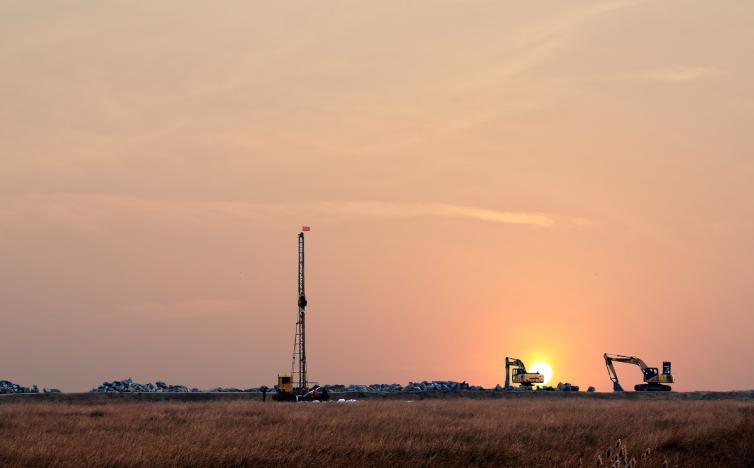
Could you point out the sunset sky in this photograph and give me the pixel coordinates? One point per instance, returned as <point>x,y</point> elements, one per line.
<point>547,180</point>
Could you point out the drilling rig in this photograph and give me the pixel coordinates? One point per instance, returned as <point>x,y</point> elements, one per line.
<point>295,386</point>
<point>298,363</point>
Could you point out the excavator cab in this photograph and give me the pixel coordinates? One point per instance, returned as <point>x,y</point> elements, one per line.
<point>649,373</point>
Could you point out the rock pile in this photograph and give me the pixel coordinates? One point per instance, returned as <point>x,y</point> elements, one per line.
<point>237,390</point>
<point>567,387</point>
<point>521,388</point>
<point>129,386</point>
<point>439,386</point>
<point>561,387</point>
<point>425,386</point>
<point>374,388</point>
<point>10,387</point>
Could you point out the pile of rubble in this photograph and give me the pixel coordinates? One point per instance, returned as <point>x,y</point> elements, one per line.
<point>567,387</point>
<point>374,388</point>
<point>425,386</point>
<point>129,386</point>
<point>561,387</point>
<point>447,386</point>
<point>440,386</point>
<point>238,390</point>
<point>10,387</point>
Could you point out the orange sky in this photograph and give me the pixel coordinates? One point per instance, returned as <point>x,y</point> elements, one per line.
<point>545,180</point>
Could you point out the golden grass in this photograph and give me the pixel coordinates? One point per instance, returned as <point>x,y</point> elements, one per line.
<point>520,432</point>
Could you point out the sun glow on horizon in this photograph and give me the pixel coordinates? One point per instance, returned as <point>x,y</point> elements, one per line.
<point>544,369</point>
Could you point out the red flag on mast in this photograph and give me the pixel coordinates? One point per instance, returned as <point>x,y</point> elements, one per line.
<point>306,228</point>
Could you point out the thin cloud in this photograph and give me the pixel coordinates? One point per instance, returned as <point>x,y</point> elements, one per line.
<point>399,210</point>
<point>443,210</point>
<point>674,74</point>
<point>91,212</point>
<point>544,41</point>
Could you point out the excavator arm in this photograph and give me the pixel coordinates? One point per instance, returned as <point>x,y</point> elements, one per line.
<point>609,358</point>
<point>512,362</point>
<point>652,377</point>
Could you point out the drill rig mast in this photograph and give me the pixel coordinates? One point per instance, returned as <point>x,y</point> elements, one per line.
<point>298,364</point>
<point>295,386</point>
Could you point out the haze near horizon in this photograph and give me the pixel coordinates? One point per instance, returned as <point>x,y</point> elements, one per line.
<point>548,181</point>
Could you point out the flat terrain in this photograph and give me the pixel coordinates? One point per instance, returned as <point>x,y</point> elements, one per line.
<point>106,398</point>
<point>459,432</point>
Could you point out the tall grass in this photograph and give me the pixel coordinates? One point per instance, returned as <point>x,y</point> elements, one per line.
<point>517,432</point>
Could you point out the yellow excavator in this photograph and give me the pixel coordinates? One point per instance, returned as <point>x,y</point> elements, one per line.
<point>653,380</point>
<point>520,376</point>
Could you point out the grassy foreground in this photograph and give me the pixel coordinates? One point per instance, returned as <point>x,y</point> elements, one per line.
<point>439,432</point>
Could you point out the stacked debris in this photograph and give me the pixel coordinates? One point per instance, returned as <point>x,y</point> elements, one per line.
<point>425,386</point>
<point>522,388</point>
<point>373,388</point>
<point>129,386</point>
<point>236,390</point>
<point>440,386</point>
<point>10,387</point>
<point>567,387</point>
<point>561,387</point>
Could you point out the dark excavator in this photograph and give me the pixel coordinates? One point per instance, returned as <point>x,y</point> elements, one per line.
<point>653,380</point>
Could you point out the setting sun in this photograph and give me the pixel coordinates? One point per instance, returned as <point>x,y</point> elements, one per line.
<point>544,369</point>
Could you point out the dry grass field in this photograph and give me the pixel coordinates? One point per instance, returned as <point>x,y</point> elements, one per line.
<point>518,432</point>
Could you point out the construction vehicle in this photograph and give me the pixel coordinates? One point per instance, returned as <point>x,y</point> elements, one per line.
<point>653,380</point>
<point>525,379</point>
<point>284,388</point>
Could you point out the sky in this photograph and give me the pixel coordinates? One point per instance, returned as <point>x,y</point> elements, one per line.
<point>543,180</point>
